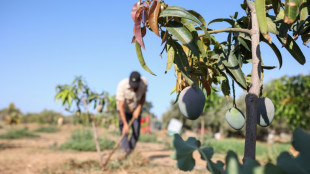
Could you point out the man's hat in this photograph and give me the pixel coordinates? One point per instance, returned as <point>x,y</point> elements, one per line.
<point>134,79</point>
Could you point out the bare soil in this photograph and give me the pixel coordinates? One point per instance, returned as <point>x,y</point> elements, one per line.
<point>43,155</point>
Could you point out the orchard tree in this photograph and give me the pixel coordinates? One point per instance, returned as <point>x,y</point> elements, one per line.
<point>11,114</point>
<point>213,101</point>
<point>174,112</point>
<point>201,60</point>
<point>110,110</point>
<point>292,96</point>
<point>79,94</point>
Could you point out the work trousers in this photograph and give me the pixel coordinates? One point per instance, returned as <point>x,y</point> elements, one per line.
<point>129,144</point>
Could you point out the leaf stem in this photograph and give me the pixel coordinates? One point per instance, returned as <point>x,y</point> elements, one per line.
<point>227,30</point>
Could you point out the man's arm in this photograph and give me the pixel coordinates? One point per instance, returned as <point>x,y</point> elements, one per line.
<point>121,110</point>
<point>138,109</point>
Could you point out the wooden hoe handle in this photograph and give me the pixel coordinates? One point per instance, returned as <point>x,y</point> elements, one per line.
<point>117,144</point>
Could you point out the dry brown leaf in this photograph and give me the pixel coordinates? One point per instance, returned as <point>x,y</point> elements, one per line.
<point>153,17</point>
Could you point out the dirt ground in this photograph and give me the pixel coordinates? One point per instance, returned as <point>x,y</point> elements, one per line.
<point>42,155</point>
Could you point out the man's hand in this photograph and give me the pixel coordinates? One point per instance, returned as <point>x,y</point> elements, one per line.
<point>125,129</point>
<point>123,116</point>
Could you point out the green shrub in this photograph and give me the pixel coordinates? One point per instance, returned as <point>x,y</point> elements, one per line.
<point>18,133</point>
<point>115,132</point>
<point>263,150</point>
<point>47,129</point>
<point>224,145</point>
<point>148,138</point>
<point>83,140</point>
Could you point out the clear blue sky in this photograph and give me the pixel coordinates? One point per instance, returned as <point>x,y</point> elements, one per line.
<point>46,43</point>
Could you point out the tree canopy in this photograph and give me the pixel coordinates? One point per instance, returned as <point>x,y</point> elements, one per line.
<point>291,96</point>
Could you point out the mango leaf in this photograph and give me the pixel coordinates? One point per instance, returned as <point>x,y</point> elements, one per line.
<point>92,97</point>
<point>280,15</point>
<point>243,43</point>
<point>180,55</point>
<point>293,49</point>
<point>188,23</point>
<point>235,15</point>
<point>207,84</point>
<point>276,4</point>
<point>198,42</point>
<point>234,70</point>
<point>262,19</point>
<point>302,26</point>
<point>179,13</point>
<point>145,13</point>
<point>70,99</point>
<point>165,37</point>
<point>305,38</point>
<point>141,59</point>
<point>137,30</point>
<point>291,11</point>
<point>244,5</point>
<point>174,7</point>
<point>225,86</point>
<point>268,67</point>
<point>272,28</point>
<point>173,90</point>
<point>182,34</point>
<point>230,21</point>
<point>64,96</point>
<point>184,152</point>
<point>170,57</point>
<point>303,10</point>
<point>153,17</point>
<point>133,11</point>
<point>275,50</point>
<point>180,59</point>
<point>198,16</point>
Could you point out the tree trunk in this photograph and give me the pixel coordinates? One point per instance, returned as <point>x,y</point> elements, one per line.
<point>94,130</point>
<point>252,96</point>
<point>202,129</point>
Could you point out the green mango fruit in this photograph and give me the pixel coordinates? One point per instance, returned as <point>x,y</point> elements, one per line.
<point>191,102</point>
<point>235,118</point>
<point>265,112</point>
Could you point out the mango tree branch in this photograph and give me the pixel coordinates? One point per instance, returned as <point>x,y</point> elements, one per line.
<point>253,93</point>
<point>227,30</point>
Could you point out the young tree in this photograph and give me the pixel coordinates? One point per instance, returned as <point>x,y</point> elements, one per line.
<point>201,60</point>
<point>79,93</point>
